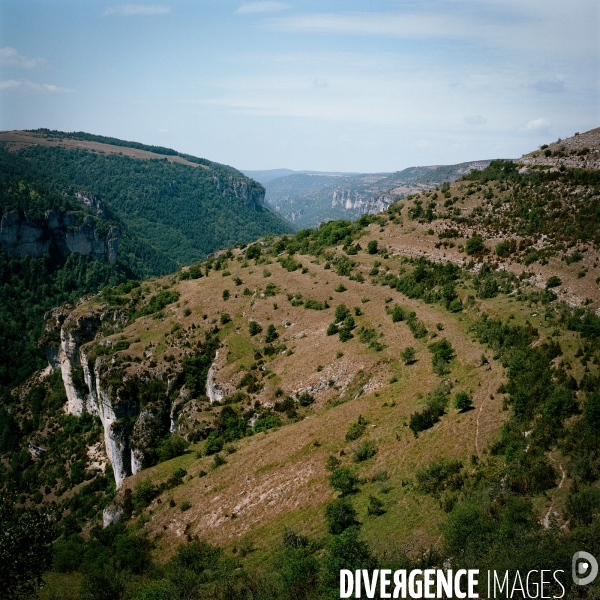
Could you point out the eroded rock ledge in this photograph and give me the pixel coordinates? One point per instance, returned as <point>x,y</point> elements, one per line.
<point>56,234</point>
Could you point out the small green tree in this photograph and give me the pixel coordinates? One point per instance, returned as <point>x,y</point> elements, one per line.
<point>408,355</point>
<point>366,450</point>
<point>340,515</point>
<point>305,399</point>
<point>372,247</point>
<point>173,446</point>
<point>253,251</point>
<point>462,401</point>
<point>226,294</point>
<point>375,506</point>
<point>272,334</point>
<point>332,463</point>
<point>341,312</point>
<point>553,281</point>
<point>356,429</point>
<point>475,245</point>
<point>397,314</point>
<point>254,328</point>
<point>344,480</point>
<point>345,551</point>
<point>503,249</point>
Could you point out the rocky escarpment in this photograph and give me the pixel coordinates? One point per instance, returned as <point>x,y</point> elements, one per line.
<point>250,192</point>
<point>579,151</point>
<point>138,406</point>
<point>352,200</point>
<point>64,338</point>
<point>56,234</point>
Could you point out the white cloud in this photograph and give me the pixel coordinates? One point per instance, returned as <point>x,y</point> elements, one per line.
<point>537,124</point>
<point>512,25</point>
<point>475,120</point>
<point>423,143</point>
<point>134,10</point>
<point>9,57</point>
<point>261,7</point>
<point>26,85</point>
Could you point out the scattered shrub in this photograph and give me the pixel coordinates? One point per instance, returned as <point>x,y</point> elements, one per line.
<point>408,355</point>
<point>463,401</point>
<point>332,463</point>
<point>254,328</point>
<point>439,475</point>
<point>344,480</point>
<point>356,429</point>
<point>271,334</point>
<point>366,450</point>
<point>475,245</point>
<point>340,515</point>
<point>375,506</point>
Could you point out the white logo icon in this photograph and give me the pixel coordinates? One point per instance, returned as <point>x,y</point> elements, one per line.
<point>584,568</point>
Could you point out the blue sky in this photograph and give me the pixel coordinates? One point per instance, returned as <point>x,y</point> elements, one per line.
<point>374,85</point>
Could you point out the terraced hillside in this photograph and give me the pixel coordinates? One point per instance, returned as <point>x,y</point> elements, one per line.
<point>418,387</point>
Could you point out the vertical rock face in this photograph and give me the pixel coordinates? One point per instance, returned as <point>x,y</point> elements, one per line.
<point>360,203</point>
<point>137,406</point>
<point>251,192</point>
<point>20,235</point>
<point>213,390</point>
<point>95,384</point>
<point>94,203</point>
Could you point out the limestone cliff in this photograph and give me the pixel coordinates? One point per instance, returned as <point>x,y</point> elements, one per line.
<point>83,380</point>
<point>137,406</point>
<point>360,203</point>
<point>56,234</point>
<point>251,192</point>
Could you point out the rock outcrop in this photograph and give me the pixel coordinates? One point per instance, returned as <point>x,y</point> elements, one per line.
<point>579,151</point>
<point>56,234</point>
<point>250,192</point>
<point>89,386</point>
<point>137,406</point>
<point>361,203</point>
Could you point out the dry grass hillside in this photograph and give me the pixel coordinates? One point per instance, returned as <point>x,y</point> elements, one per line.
<point>581,151</point>
<point>16,140</point>
<point>277,477</point>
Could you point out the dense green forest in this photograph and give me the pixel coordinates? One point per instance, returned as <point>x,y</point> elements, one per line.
<point>170,214</point>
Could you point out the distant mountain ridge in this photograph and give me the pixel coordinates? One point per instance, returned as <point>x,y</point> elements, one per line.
<point>306,199</point>
<point>264,176</point>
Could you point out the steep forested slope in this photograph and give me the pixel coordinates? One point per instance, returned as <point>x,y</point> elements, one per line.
<point>170,212</point>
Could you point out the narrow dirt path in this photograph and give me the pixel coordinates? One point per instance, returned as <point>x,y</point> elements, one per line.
<point>477,428</point>
<point>546,519</point>
<point>490,385</point>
